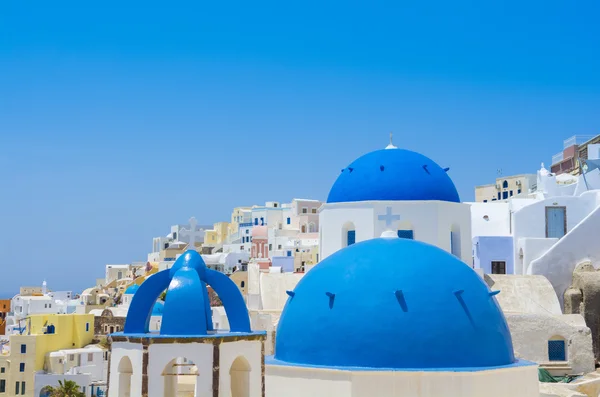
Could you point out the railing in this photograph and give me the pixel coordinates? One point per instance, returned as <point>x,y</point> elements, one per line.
<point>247,224</point>
<point>576,140</point>
<point>557,158</point>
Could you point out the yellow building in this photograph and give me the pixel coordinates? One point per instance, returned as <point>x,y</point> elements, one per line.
<point>239,215</point>
<point>218,235</point>
<point>45,333</point>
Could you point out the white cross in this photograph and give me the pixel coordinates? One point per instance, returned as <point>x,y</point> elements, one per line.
<point>192,233</point>
<point>388,217</point>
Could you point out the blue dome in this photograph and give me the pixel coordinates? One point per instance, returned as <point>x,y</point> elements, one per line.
<point>394,175</point>
<point>186,310</point>
<point>393,303</point>
<point>132,289</point>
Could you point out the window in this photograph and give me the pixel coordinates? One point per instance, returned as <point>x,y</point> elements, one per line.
<point>262,221</point>
<point>504,184</point>
<point>72,356</point>
<point>305,210</point>
<point>556,222</point>
<point>45,305</point>
<point>247,231</point>
<point>504,195</point>
<point>270,247</point>
<point>485,201</point>
<point>350,237</point>
<point>255,221</point>
<point>498,267</point>
<point>23,349</point>
<point>279,247</point>
<point>499,196</point>
<point>289,220</point>
<point>406,234</point>
<point>243,284</point>
<point>275,205</point>
<point>2,386</point>
<point>22,387</point>
<point>511,193</point>
<point>22,367</point>
<point>90,357</point>
<point>50,306</point>
<point>2,370</point>
<point>314,210</point>
<point>556,350</point>
<point>16,387</point>
<point>87,327</point>
<point>289,253</point>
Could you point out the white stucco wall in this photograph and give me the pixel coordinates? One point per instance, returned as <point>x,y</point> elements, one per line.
<point>497,222</point>
<point>273,287</point>
<point>531,333</point>
<point>250,351</point>
<point>431,222</point>
<point>134,352</point>
<point>529,249</point>
<point>579,245</point>
<point>524,294</point>
<point>300,382</point>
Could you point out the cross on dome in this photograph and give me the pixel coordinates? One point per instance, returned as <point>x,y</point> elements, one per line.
<point>391,145</point>
<point>388,217</point>
<point>192,233</point>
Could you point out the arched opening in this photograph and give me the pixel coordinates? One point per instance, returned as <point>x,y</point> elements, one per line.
<point>312,228</point>
<point>180,376</point>
<point>45,392</point>
<point>303,228</point>
<point>557,349</point>
<point>455,241</point>
<point>505,185</point>
<point>125,371</point>
<point>240,377</point>
<point>348,234</point>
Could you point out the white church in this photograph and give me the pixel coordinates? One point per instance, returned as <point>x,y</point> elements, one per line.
<point>400,190</point>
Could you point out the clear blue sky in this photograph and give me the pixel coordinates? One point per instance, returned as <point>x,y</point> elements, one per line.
<point>117,121</point>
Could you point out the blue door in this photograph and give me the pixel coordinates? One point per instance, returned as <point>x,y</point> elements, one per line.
<point>351,237</point>
<point>556,225</point>
<point>406,234</point>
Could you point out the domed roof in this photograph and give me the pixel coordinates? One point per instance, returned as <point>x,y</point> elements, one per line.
<point>393,303</point>
<point>186,310</point>
<point>393,174</point>
<point>132,289</point>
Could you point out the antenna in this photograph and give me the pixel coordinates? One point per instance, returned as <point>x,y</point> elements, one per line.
<point>499,171</point>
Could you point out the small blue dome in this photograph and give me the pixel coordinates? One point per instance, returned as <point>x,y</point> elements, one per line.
<point>132,289</point>
<point>393,303</point>
<point>394,175</point>
<point>186,310</point>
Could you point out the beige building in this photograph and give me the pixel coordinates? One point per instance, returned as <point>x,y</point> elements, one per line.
<point>505,188</point>
<point>239,215</point>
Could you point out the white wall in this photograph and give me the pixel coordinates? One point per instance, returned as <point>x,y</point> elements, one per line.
<point>273,287</point>
<point>531,333</point>
<point>135,353</point>
<point>497,222</point>
<point>251,352</point>
<point>431,222</point>
<point>579,245</point>
<point>291,381</point>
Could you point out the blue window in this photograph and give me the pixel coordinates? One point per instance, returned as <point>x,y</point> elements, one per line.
<point>504,195</point>
<point>505,184</point>
<point>351,237</point>
<point>519,191</point>
<point>255,221</point>
<point>406,234</point>
<point>87,327</point>
<point>289,253</point>
<point>23,349</point>
<point>262,221</point>
<point>247,231</point>
<point>22,367</point>
<point>289,220</point>
<point>485,201</point>
<point>556,350</point>
<point>556,222</point>
<point>511,193</point>
<point>499,196</point>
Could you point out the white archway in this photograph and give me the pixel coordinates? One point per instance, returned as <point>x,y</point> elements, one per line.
<point>125,370</point>
<point>240,377</point>
<point>180,378</point>
<point>348,234</point>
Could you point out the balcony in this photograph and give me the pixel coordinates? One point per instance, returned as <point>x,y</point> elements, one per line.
<point>557,158</point>
<point>576,140</point>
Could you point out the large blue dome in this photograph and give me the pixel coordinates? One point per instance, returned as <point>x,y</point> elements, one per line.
<point>393,303</point>
<point>393,174</point>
